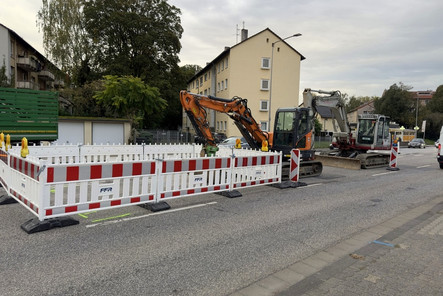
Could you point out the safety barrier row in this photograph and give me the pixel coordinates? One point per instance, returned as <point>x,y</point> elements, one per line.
<point>66,181</point>
<point>60,154</point>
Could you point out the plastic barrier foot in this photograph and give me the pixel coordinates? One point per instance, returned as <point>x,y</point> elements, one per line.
<point>6,199</point>
<point>393,169</point>
<point>156,207</point>
<point>230,194</point>
<point>289,184</point>
<point>35,225</point>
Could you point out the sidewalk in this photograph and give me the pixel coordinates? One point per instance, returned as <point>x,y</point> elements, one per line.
<point>402,256</point>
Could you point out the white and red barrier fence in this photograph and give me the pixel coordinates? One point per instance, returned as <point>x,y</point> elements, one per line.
<point>55,181</point>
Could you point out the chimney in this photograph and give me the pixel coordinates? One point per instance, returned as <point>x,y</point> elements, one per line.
<point>244,34</point>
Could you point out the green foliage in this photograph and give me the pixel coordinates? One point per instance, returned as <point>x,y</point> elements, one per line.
<point>134,37</point>
<point>436,103</point>
<point>317,126</point>
<point>5,81</point>
<point>397,103</point>
<point>130,97</point>
<point>64,36</point>
<point>355,102</point>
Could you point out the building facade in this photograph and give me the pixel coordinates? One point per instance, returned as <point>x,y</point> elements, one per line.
<point>244,70</point>
<point>25,66</point>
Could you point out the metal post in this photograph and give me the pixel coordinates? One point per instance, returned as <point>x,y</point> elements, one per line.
<point>270,79</point>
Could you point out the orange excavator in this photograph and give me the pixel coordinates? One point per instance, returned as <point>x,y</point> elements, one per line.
<point>293,128</point>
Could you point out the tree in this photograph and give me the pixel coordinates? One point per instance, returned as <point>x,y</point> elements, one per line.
<point>397,103</point>
<point>5,81</point>
<point>130,97</point>
<point>65,39</point>
<point>134,37</point>
<point>436,103</point>
<point>355,102</point>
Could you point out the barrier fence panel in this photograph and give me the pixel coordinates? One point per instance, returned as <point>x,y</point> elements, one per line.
<point>22,182</point>
<point>81,188</point>
<point>180,178</point>
<point>257,170</point>
<point>4,168</point>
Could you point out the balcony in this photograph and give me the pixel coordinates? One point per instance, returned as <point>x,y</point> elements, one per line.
<point>46,75</point>
<point>59,83</point>
<point>27,85</point>
<point>28,64</point>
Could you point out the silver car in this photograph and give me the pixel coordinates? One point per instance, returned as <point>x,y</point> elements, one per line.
<point>417,143</point>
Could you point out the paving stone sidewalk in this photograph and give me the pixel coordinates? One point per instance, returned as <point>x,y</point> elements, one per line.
<point>402,256</point>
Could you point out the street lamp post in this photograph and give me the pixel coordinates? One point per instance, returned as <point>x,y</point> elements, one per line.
<point>270,79</point>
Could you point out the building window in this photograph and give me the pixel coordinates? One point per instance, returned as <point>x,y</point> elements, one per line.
<point>218,86</point>
<point>201,81</point>
<point>226,64</point>
<point>265,63</point>
<point>264,126</point>
<point>226,126</point>
<point>226,83</point>
<point>222,85</point>
<point>264,84</point>
<point>206,76</point>
<point>206,92</point>
<point>218,125</point>
<point>264,105</point>
<point>223,65</point>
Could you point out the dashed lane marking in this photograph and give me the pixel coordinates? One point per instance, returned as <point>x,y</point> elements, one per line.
<point>122,219</point>
<point>381,174</point>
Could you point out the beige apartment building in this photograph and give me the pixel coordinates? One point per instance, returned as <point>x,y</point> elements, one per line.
<point>245,70</point>
<point>25,66</point>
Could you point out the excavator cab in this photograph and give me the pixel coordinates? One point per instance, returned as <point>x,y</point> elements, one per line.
<point>373,132</point>
<point>293,129</point>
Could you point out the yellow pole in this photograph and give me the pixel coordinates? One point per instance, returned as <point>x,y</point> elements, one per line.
<point>8,142</point>
<point>24,151</point>
<point>2,139</point>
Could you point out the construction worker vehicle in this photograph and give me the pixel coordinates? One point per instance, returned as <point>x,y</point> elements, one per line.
<point>367,147</point>
<point>293,128</point>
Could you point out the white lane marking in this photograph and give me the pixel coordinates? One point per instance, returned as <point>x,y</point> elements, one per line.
<point>423,166</point>
<point>381,174</point>
<point>312,185</point>
<point>151,214</point>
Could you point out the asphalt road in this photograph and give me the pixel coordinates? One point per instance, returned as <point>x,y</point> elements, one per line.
<point>208,244</point>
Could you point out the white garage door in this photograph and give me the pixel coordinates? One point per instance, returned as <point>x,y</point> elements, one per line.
<point>108,133</point>
<point>70,132</point>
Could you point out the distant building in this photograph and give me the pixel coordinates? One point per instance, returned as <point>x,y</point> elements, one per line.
<point>244,70</point>
<point>366,108</point>
<point>423,96</point>
<point>25,66</point>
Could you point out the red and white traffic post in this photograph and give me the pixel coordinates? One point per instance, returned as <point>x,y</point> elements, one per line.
<point>294,174</point>
<point>394,156</point>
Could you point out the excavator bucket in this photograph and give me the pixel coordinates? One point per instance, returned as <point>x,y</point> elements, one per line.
<point>339,162</point>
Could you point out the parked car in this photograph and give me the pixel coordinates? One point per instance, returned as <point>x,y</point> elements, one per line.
<point>230,142</point>
<point>436,143</point>
<point>417,143</point>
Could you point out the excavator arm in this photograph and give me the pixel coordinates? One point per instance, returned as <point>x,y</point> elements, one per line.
<point>236,108</point>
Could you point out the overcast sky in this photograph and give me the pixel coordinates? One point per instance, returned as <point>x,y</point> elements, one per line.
<point>357,47</point>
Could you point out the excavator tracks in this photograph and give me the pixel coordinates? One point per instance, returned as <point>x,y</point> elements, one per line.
<point>361,161</point>
<point>373,160</point>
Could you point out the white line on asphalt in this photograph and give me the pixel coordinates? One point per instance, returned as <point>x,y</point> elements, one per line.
<point>381,174</point>
<point>423,166</point>
<point>151,214</point>
<point>311,185</point>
